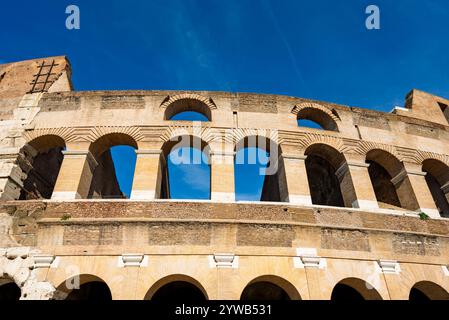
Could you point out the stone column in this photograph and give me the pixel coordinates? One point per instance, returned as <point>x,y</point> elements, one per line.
<point>75,175</point>
<point>222,187</point>
<point>292,168</point>
<point>356,186</point>
<point>147,175</point>
<point>412,180</point>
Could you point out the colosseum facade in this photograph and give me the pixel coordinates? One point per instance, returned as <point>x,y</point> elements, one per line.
<point>356,210</point>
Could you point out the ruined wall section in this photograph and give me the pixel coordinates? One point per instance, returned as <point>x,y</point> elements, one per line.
<point>19,99</point>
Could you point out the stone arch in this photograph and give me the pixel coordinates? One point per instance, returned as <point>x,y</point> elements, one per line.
<point>270,287</point>
<point>9,290</point>
<point>47,141</point>
<point>354,289</point>
<point>106,141</point>
<point>66,134</point>
<point>327,119</point>
<point>329,179</point>
<point>188,102</point>
<point>309,139</point>
<point>83,287</point>
<point>427,290</point>
<point>364,147</point>
<point>177,142</point>
<point>437,178</point>
<point>390,181</point>
<point>204,133</point>
<point>180,284</point>
<point>104,183</point>
<point>275,184</point>
<point>40,161</point>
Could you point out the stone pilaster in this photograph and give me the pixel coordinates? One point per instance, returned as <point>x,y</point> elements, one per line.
<point>356,186</point>
<point>414,178</point>
<point>222,176</point>
<point>296,182</point>
<point>75,175</point>
<point>147,175</point>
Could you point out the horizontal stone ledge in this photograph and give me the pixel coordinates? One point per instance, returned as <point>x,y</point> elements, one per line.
<point>278,213</point>
<point>180,221</point>
<point>63,253</point>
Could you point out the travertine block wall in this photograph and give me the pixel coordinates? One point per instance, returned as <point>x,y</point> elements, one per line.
<point>304,248</point>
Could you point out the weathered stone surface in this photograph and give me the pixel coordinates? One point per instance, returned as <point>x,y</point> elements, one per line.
<point>265,235</point>
<point>353,240</point>
<point>185,233</point>
<point>340,206</point>
<point>90,235</point>
<point>416,245</point>
<point>122,102</point>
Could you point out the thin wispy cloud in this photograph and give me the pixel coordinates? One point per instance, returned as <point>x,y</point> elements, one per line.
<point>196,176</point>
<point>197,46</point>
<point>291,55</point>
<point>254,196</point>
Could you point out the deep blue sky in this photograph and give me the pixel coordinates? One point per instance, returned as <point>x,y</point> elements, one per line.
<point>314,49</point>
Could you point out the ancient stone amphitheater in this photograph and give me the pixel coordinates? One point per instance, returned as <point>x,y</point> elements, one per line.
<point>357,210</point>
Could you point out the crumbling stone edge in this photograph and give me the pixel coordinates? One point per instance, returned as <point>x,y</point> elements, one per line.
<point>17,264</point>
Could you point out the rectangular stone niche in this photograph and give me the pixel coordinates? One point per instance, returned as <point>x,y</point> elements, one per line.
<point>263,235</point>
<point>183,233</point>
<point>337,239</point>
<point>90,235</point>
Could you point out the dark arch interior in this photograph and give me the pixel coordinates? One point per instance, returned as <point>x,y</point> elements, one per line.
<point>418,295</point>
<point>94,290</point>
<point>426,290</point>
<point>437,176</point>
<point>10,292</point>
<point>383,187</point>
<point>438,195</point>
<point>264,290</point>
<point>179,291</point>
<point>343,292</point>
<point>41,160</point>
<point>323,183</point>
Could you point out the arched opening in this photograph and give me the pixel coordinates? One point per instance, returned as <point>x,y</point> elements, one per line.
<point>113,173</point>
<point>177,288</point>
<point>437,178</point>
<point>426,291</point>
<point>304,123</point>
<point>189,116</point>
<point>258,173</point>
<point>322,163</point>
<point>41,160</point>
<point>316,119</point>
<point>353,289</point>
<point>390,182</point>
<point>84,287</point>
<point>188,107</point>
<point>270,288</point>
<point>9,290</point>
<point>187,171</point>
